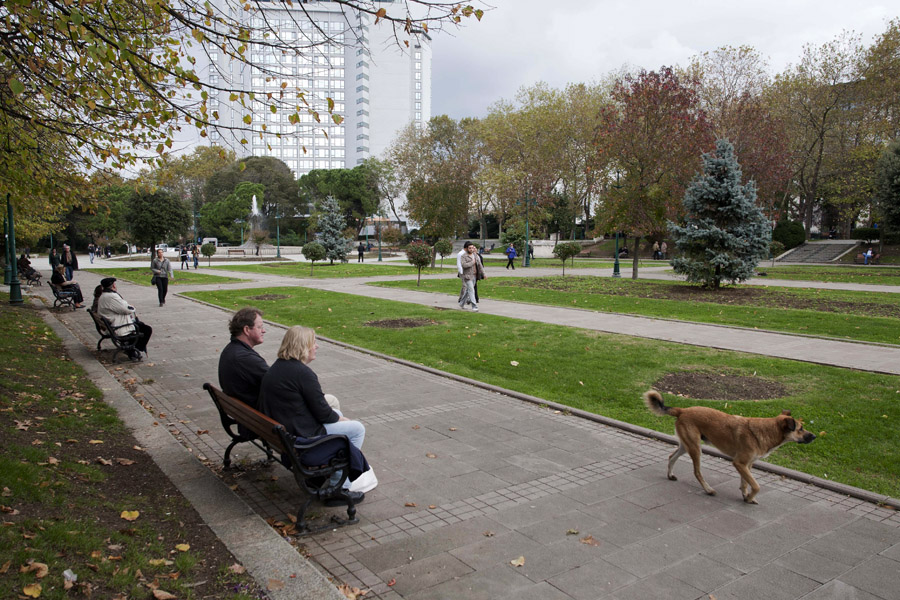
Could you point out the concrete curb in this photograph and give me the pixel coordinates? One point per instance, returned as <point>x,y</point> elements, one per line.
<point>833,486</point>
<point>265,554</point>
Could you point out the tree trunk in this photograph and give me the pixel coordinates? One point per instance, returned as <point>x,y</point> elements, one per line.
<point>634,264</point>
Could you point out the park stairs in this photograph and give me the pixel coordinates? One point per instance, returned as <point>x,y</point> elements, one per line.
<point>823,251</point>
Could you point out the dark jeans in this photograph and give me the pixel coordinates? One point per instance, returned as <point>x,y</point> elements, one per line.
<point>162,288</point>
<point>510,263</point>
<point>70,271</point>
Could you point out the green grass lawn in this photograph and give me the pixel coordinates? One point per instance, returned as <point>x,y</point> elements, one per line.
<point>855,412</point>
<point>831,313</point>
<point>324,270</point>
<point>68,470</point>
<point>142,275</point>
<point>871,274</point>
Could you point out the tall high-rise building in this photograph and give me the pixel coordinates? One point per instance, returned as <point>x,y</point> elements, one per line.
<point>379,86</point>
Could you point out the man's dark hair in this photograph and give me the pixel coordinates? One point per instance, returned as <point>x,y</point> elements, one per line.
<point>245,317</point>
<point>467,244</point>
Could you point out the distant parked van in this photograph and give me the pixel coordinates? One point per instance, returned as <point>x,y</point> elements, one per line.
<point>213,241</point>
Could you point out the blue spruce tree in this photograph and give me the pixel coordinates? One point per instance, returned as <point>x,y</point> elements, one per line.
<point>331,225</point>
<point>724,234</point>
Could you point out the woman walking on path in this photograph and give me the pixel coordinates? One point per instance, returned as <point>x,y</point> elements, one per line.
<point>511,253</point>
<point>69,261</point>
<point>162,271</point>
<point>195,252</point>
<point>184,258</point>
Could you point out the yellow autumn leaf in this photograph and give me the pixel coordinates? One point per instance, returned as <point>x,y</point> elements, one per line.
<point>32,590</point>
<point>159,562</point>
<point>130,515</point>
<point>518,562</point>
<point>95,442</point>
<point>183,547</point>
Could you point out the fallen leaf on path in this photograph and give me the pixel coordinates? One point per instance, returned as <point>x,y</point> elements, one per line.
<point>163,595</point>
<point>351,593</point>
<point>453,429</point>
<point>6,492</point>
<point>159,562</point>
<point>95,442</point>
<point>274,585</point>
<point>392,583</point>
<point>5,567</point>
<point>237,569</point>
<point>32,590</point>
<point>104,461</point>
<point>514,363</point>
<point>571,532</point>
<point>589,540</point>
<point>518,562</point>
<point>430,455</point>
<point>130,515</point>
<point>410,504</point>
<point>124,461</point>
<point>488,534</point>
<point>183,547</point>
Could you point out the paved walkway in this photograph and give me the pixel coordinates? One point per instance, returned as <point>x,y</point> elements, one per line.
<point>510,479</point>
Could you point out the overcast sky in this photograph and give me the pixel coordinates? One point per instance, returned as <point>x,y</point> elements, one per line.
<point>522,42</point>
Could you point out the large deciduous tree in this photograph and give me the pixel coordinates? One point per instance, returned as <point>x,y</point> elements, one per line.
<point>355,190</point>
<point>281,195</point>
<point>224,218</point>
<point>819,101</point>
<point>724,233</point>
<point>88,84</point>
<point>437,166</point>
<point>887,187</point>
<point>153,217</point>
<point>653,137</point>
<point>732,85</point>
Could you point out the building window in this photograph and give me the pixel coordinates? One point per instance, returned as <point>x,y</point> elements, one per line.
<point>418,106</point>
<point>418,116</point>
<point>418,75</point>
<point>418,95</point>
<point>418,55</point>
<point>419,66</point>
<point>418,85</point>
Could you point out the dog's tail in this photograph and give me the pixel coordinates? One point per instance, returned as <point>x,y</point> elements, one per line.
<point>655,403</point>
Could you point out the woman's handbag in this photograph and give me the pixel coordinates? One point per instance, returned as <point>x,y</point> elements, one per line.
<point>153,280</point>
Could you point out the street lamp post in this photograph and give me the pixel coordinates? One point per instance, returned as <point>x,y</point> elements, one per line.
<point>278,234</point>
<point>7,270</point>
<point>616,272</point>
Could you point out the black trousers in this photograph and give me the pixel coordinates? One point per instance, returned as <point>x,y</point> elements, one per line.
<point>146,332</point>
<point>162,288</point>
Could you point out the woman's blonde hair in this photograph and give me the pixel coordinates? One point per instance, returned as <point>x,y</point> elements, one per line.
<point>298,342</point>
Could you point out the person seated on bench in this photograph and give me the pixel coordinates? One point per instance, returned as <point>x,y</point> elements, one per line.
<point>112,306</point>
<point>291,395</point>
<point>59,279</point>
<point>241,368</point>
<point>867,256</point>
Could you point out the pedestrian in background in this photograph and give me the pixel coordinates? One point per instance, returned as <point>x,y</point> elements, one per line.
<point>162,271</point>
<point>69,261</point>
<point>511,254</point>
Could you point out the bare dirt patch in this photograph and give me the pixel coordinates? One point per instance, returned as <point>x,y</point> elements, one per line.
<point>269,297</point>
<point>401,323</point>
<point>714,386</point>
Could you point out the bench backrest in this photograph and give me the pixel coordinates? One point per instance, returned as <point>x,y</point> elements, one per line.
<point>98,322</point>
<point>263,426</point>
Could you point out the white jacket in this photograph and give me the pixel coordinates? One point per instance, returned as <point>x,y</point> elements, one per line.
<point>113,306</point>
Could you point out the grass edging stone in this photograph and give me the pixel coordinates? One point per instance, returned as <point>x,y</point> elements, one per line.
<point>257,546</point>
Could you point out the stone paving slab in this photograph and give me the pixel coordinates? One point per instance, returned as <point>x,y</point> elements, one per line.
<point>511,480</point>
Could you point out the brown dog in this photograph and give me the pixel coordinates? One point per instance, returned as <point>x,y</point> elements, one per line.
<point>745,439</point>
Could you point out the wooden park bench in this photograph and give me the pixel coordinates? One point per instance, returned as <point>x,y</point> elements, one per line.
<point>62,297</point>
<point>30,276</point>
<point>296,454</point>
<point>236,251</point>
<point>861,260</point>
<point>125,342</point>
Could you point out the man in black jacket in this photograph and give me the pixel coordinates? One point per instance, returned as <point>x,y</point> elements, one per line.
<point>241,368</point>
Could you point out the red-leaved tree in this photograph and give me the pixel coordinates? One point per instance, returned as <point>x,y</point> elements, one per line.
<point>655,135</point>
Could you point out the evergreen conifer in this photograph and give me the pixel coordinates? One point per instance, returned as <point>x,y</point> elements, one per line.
<point>724,234</point>
<point>331,225</point>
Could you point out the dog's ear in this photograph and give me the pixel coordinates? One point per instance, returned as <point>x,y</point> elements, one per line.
<point>789,424</point>
<point>786,412</point>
